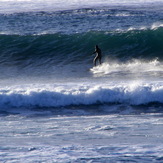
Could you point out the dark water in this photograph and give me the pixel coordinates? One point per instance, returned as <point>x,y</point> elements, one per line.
<point>69,36</point>
<point>34,51</point>
<point>45,54</point>
<point>55,106</point>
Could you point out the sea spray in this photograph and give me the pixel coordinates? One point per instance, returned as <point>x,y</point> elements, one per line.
<point>57,96</point>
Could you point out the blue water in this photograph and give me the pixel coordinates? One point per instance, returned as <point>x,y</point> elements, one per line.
<point>55,106</point>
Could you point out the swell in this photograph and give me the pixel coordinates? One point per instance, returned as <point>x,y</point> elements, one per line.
<point>34,50</point>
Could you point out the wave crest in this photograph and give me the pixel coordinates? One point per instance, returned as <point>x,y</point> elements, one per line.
<point>57,96</point>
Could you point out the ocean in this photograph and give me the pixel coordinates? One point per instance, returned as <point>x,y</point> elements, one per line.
<point>56,106</point>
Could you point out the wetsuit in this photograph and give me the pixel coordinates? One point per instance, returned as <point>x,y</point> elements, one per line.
<point>98,55</point>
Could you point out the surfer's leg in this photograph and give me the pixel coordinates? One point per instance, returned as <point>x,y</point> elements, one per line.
<point>99,60</point>
<point>94,61</point>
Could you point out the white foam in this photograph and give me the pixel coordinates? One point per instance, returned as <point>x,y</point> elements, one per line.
<point>156,25</point>
<point>53,95</point>
<point>153,26</point>
<point>135,67</point>
<point>105,138</point>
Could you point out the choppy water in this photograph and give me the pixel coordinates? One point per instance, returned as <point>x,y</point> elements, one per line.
<point>55,106</point>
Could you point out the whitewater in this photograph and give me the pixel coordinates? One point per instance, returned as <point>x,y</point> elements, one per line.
<point>55,106</point>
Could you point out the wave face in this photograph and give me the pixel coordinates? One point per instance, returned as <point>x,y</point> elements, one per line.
<point>34,37</point>
<point>46,53</point>
<point>75,48</point>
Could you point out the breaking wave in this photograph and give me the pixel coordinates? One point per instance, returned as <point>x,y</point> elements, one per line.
<point>63,95</point>
<point>61,48</point>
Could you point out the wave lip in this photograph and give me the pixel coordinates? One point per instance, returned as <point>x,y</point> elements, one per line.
<point>132,94</point>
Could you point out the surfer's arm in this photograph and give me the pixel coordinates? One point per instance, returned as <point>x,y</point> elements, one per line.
<point>94,52</point>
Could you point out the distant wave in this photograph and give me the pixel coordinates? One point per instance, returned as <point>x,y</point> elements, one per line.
<point>65,95</point>
<point>12,6</point>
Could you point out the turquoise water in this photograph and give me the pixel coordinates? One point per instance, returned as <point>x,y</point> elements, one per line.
<point>55,106</point>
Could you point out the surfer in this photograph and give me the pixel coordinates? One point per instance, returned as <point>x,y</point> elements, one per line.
<point>98,55</point>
